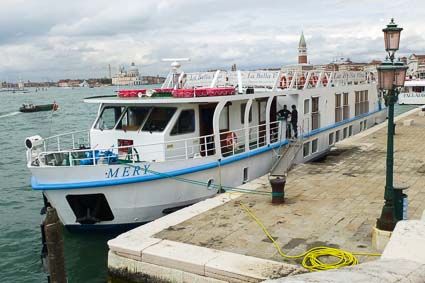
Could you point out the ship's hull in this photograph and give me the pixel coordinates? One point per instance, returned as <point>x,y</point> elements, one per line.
<point>141,199</point>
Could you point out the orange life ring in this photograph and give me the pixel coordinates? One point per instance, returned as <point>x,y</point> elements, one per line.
<point>301,81</point>
<point>313,80</point>
<point>232,140</point>
<point>324,81</point>
<point>285,82</point>
<point>282,82</point>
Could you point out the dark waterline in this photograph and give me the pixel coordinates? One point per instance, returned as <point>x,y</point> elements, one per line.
<point>85,254</point>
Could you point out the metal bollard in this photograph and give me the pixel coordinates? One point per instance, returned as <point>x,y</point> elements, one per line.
<point>278,189</point>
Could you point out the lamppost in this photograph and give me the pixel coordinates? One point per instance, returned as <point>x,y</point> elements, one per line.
<point>391,76</point>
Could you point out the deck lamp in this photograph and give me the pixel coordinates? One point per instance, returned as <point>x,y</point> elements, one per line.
<point>391,76</point>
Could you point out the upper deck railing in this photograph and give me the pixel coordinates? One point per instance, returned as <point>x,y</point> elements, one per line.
<point>268,80</point>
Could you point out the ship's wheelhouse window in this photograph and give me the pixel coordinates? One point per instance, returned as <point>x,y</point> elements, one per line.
<point>109,117</point>
<point>133,118</point>
<point>185,124</point>
<point>158,119</point>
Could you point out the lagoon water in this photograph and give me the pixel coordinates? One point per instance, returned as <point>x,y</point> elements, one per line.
<point>20,240</point>
<point>20,243</point>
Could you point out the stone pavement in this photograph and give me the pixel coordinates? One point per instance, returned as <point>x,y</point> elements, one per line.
<point>332,202</point>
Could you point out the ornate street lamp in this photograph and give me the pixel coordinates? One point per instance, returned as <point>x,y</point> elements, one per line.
<point>392,38</point>
<point>391,77</point>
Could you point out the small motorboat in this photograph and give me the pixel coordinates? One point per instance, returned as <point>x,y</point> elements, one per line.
<point>29,107</point>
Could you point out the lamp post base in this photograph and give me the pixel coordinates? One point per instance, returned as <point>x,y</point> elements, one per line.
<point>380,238</point>
<point>387,220</point>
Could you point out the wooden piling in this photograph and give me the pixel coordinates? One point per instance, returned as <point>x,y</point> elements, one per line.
<point>55,247</point>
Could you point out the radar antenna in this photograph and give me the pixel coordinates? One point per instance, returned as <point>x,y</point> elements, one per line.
<point>175,65</point>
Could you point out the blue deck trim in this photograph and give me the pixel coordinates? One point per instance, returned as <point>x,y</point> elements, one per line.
<point>82,185</point>
<point>338,124</point>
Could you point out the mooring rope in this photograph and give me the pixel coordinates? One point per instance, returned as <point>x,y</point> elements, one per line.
<point>208,185</point>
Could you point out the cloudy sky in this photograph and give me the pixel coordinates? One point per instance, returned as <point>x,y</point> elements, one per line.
<point>53,39</point>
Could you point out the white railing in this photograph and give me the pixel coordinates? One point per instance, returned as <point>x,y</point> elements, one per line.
<point>231,143</point>
<point>71,140</point>
<point>283,79</point>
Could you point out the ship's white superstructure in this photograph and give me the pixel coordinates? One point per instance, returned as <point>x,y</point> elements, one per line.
<point>153,151</point>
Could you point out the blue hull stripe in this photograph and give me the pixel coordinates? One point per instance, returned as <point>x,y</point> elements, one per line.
<point>81,185</point>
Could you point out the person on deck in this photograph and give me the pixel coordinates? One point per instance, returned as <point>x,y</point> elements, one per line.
<point>285,113</point>
<point>294,120</point>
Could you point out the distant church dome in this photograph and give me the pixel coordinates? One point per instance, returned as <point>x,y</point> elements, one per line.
<point>133,71</point>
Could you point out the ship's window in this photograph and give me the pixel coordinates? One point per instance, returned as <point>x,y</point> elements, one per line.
<point>306,106</point>
<point>344,132</point>
<point>185,124</point>
<point>224,119</point>
<point>314,145</point>
<point>243,107</point>
<point>350,131</point>
<point>109,117</point>
<point>331,138</point>
<point>262,111</point>
<point>337,135</point>
<point>133,118</point>
<point>306,149</point>
<point>158,119</point>
<point>245,175</point>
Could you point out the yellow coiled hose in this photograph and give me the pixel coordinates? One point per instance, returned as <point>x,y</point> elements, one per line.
<point>311,260</point>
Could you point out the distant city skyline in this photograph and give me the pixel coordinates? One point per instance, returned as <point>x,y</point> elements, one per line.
<point>51,40</point>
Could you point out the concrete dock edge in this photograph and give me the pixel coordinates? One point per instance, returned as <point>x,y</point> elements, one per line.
<point>138,256</point>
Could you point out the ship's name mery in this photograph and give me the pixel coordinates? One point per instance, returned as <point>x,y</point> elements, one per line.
<point>127,171</point>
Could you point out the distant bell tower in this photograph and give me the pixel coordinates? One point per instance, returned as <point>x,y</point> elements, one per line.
<point>302,50</point>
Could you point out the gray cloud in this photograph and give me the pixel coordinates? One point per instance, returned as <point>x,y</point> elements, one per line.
<point>59,38</point>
